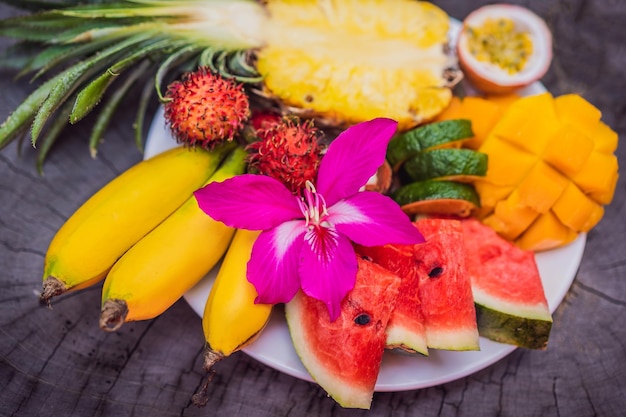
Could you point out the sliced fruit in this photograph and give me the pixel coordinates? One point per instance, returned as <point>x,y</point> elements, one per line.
<point>444,287</point>
<point>511,217</point>
<point>546,232</point>
<point>503,47</point>
<point>539,146</point>
<point>444,313</point>
<point>406,329</point>
<point>529,133</point>
<point>432,135</point>
<point>437,197</point>
<point>446,164</point>
<point>314,59</point>
<point>508,164</point>
<point>344,356</point>
<point>510,301</point>
<point>576,210</point>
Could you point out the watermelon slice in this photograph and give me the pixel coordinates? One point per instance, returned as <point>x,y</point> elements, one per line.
<point>510,301</point>
<point>436,302</point>
<point>405,330</point>
<point>344,356</point>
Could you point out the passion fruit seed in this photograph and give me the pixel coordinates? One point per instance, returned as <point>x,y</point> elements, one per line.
<point>500,42</point>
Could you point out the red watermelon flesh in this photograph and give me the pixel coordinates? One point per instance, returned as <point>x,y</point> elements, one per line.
<point>436,270</point>
<point>405,329</point>
<point>344,356</point>
<point>444,287</point>
<point>510,300</point>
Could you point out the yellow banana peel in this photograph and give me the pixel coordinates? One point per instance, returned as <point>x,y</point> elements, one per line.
<point>87,245</point>
<point>231,320</point>
<point>168,261</point>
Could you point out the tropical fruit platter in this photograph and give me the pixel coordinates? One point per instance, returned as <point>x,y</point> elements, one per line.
<point>370,195</point>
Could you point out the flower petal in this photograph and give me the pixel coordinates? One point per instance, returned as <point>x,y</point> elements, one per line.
<point>372,219</point>
<point>330,275</point>
<point>252,202</point>
<point>353,157</point>
<point>273,264</point>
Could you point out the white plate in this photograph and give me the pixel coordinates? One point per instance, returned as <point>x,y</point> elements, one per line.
<point>398,372</point>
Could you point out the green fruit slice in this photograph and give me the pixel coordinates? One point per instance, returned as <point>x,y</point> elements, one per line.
<point>446,163</point>
<point>437,197</point>
<point>432,135</point>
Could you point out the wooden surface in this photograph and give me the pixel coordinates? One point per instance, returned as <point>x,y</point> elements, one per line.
<point>59,363</point>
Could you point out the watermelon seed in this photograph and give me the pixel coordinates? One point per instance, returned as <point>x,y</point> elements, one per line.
<point>362,319</point>
<point>436,272</point>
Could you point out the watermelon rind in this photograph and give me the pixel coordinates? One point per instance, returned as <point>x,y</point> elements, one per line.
<point>345,393</point>
<point>525,332</point>
<point>399,337</point>
<point>458,339</point>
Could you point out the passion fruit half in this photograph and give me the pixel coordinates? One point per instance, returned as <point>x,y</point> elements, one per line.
<point>503,47</point>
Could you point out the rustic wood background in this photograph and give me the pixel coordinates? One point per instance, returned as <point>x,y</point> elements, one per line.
<point>58,363</point>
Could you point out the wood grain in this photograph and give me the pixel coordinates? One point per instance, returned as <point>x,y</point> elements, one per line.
<point>57,362</point>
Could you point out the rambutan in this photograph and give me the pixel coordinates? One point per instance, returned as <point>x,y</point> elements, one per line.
<point>289,151</point>
<point>204,109</point>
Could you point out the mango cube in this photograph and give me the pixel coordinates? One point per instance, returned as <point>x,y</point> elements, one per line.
<point>513,216</point>
<point>577,211</point>
<point>568,150</point>
<point>541,187</point>
<point>575,110</point>
<point>546,232</point>
<point>508,164</point>
<point>598,174</point>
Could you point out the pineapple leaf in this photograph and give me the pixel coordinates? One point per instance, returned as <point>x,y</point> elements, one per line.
<point>71,78</point>
<point>142,110</point>
<point>174,59</point>
<point>105,116</point>
<point>90,96</point>
<point>17,123</point>
<point>52,134</point>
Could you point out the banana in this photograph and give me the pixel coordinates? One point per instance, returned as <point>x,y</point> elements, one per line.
<point>154,273</point>
<point>87,245</point>
<point>231,320</point>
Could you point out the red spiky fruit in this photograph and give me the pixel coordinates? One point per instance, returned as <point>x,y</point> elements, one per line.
<point>289,151</point>
<point>204,109</point>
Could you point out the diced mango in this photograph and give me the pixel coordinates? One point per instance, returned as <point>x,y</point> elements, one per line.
<point>597,174</point>
<point>490,193</point>
<point>546,232</point>
<point>483,114</point>
<point>507,164</point>
<point>521,126</point>
<point>575,110</point>
<point>577,211</point>
<point>605,197</point>
<point>453,111</point>
<point>605,139</point>
<point>513,217</point>
<point>541,187</point>
<point>568,150</point>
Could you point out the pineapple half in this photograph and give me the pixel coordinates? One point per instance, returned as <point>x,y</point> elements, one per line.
<point>340,62</point>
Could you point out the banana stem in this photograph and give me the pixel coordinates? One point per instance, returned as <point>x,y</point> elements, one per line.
<point>51,288</point>
<point>211,357</point>
<point>113,314</point>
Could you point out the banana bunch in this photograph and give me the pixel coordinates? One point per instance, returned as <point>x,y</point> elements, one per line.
<point>146,237</point>
<point>116,217</point>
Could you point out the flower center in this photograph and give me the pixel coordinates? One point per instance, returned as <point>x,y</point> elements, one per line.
<point>313,206</point>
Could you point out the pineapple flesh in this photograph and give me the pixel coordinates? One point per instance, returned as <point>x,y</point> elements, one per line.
<point>352,60</point>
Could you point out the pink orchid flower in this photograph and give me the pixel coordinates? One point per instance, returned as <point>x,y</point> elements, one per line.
<point>306,241</point>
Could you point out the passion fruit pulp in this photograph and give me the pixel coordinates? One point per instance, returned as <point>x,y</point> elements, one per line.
<point>503,47</point>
